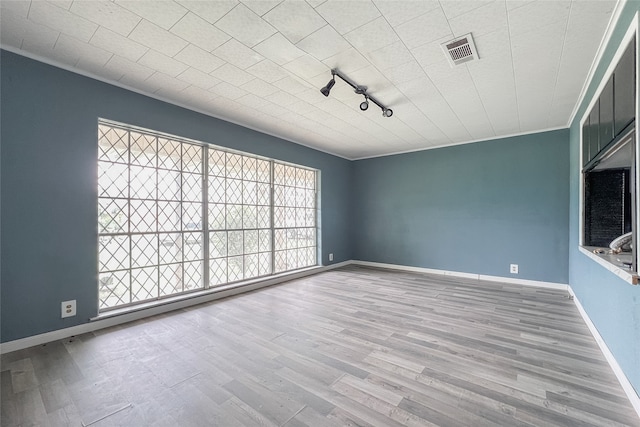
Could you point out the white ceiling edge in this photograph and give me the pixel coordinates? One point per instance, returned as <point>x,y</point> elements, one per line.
<point>615,17</point>
<point>491,138</point>
<point>157,97</point>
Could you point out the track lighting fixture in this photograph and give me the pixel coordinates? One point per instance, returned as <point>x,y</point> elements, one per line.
<point>360,90</point>
<point>325,90</point>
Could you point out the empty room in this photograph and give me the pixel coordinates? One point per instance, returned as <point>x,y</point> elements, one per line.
<point>319,213</point>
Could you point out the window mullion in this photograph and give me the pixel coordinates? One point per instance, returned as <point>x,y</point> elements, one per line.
<point>273,225</point>
<point>130,213</point>
<point>205,216</point>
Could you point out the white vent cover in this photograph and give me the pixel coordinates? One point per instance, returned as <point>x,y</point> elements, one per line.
<point>460,50</point>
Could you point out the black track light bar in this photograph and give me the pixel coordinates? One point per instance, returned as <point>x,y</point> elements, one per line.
<point>360,90</point>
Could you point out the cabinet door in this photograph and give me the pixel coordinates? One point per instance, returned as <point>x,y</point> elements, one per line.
<point>606,114</point>
<point>586,132</point>
<point>594,131</point>
<point>625,89</point>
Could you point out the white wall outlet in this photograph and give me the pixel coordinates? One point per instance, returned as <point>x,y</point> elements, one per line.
<point>68,308</point>
<point>330,257</point>
<point>513,269</point>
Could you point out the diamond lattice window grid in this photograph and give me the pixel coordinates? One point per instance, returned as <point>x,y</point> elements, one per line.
<point>260,216</point>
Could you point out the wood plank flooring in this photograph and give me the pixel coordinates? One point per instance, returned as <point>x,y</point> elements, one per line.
<point>354,346</point>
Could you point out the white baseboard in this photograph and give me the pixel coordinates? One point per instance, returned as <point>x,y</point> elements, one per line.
<point>631,393</point>
<point>110,319</point>
<point>510,280</point>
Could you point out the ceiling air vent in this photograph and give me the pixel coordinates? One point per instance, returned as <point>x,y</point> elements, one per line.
<point>460,50</point>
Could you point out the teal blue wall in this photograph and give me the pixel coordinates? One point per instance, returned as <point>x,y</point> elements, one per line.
<point>472,208</point>
<point>612,304</point>
<point>49,185</point>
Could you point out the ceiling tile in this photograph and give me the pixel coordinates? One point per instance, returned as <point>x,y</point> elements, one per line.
<point>312,95</point>
<point>164,83</point>
<point>268,71</point>
<point>252,101</point>
<point>162,63</point>
<point>152,36</point>
<point>306,67</point>
<point>405,72</point>
<point>390,56</point>
<point>228,90</point>
<point>232,74</point>
<point>162,13</point>
<point>278,49</point>
<point>346,16</point>
<point>198,78</point>
<point>431,53</point>
<point>324,43</point>
<point>113,42</point>
<point>209,10</point>
<point>456,8</point>
<point>425,28</point>
<point>17,8</point>
<point>399,12</point>
<point>195,94</point>
<point>61,20</point>
<point>199,59</point>
<point>199,32</point>
<point>348,61</point>
<point>529,17</point>
<point>260,88</point>
<point>291,85</point>
<point>107,14</point>
<point>70,50</point>
<point>132,72</point>
<point>442,71</point>
<point>481,20</point>
<point>370,77</point>
<point>238,54</point>
<point>295,19</point>
<point>65,4</point>
<point>493,48</point>
<point>12,29</point>
<point>372,36</point>
<point>283,99</point>
<point>260,7</point>
<point>245,26</point>
<point>18,32</point>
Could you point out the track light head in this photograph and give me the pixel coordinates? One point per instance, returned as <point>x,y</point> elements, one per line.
<point>387,112</point>
<point>327,89</point>
<point>364,104</point>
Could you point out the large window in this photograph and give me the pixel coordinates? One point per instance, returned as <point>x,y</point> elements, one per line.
<point>176,216</point>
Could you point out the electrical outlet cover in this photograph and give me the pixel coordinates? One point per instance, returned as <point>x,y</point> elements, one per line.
<point>68,308</point>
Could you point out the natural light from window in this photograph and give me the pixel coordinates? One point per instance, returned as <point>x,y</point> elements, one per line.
<point>176,216</point>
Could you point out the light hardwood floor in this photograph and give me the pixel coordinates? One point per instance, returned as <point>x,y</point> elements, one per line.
<point>354,346</point>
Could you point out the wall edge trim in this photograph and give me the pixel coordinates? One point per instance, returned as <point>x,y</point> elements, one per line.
<point>483,277</point>
<point>631,393</point>
<point>106,322</point>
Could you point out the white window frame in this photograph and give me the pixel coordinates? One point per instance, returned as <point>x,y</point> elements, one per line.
<point>307,185</point>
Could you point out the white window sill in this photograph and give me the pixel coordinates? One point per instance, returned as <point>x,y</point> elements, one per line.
<point>610,262</point>
<point>205,295</point>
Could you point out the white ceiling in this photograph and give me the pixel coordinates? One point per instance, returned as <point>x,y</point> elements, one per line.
<point>261,63</point>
